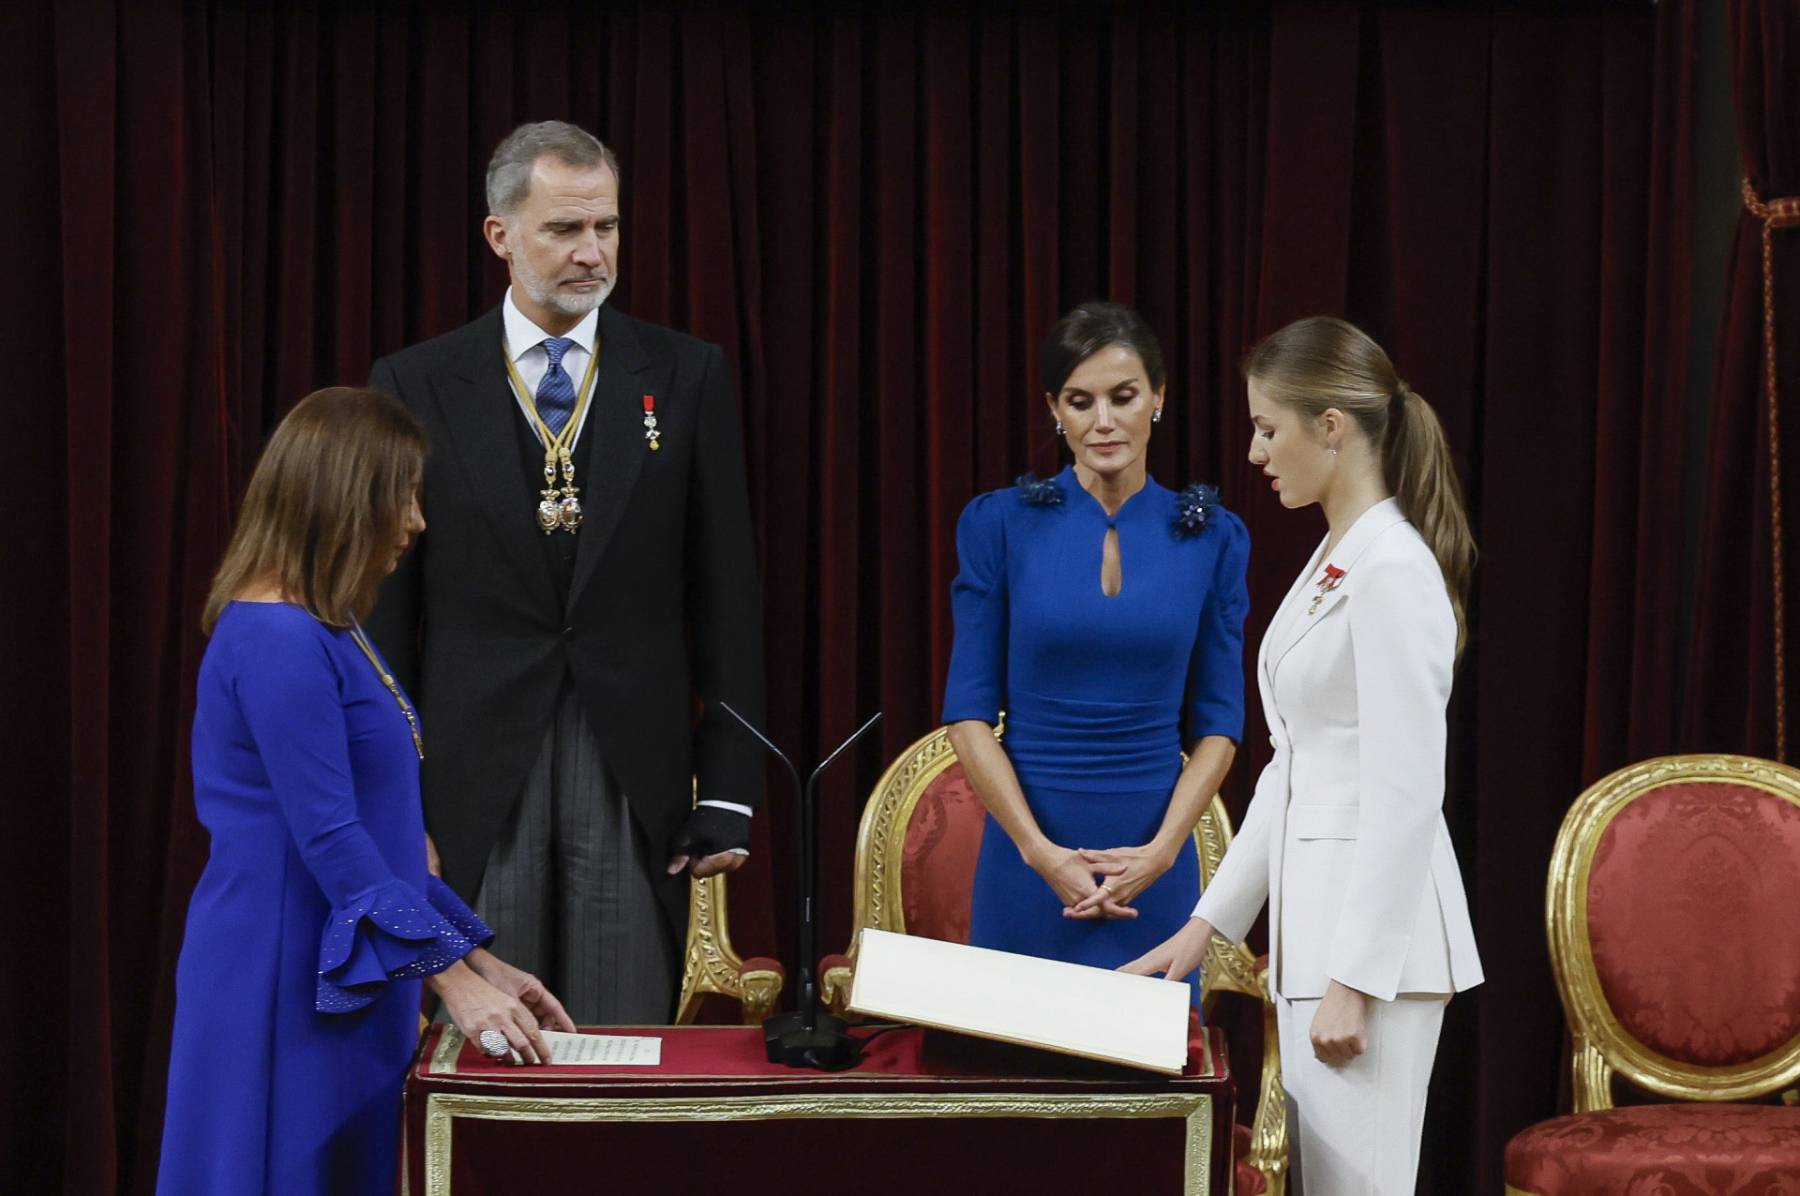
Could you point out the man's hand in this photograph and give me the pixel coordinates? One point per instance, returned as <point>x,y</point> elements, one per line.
<point>706,843</point>
<point>708,865</point>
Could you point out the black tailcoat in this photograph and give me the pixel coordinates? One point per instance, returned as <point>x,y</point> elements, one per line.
<point>655,617</point>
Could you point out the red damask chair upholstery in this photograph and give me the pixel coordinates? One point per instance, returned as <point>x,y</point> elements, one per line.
<point>915,872</point>
<point>1674,921</point>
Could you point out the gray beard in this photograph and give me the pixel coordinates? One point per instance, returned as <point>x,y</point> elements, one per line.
<point>545,295</point>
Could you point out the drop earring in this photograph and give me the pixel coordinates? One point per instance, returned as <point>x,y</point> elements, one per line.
<point>1156,416</point>
<point>1059,428</point>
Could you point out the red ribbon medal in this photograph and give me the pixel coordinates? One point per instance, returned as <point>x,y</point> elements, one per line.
<point>1328,583</point>
<point>650,432</point>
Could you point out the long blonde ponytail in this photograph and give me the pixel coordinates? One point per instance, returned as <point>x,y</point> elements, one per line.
<point>1322,362</point>
<point>1422,475</point>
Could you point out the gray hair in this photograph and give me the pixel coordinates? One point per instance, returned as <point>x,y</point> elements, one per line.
<point>509,170</point>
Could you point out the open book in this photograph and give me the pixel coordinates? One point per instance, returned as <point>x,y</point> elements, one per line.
<point>1063,1007</point>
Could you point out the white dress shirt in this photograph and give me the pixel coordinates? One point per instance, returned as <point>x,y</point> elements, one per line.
<point>525,345</point>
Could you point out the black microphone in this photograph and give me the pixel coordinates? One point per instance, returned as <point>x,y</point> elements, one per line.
<point>808,1037</point>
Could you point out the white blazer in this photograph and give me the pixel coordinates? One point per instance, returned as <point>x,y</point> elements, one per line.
<point>1345,836</point>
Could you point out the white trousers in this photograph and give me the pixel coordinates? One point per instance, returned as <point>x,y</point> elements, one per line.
<point>1354,1129</point>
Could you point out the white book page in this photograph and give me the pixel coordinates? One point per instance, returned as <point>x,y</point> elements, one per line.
<point>602,1050</point>
<point>1066,1007</point>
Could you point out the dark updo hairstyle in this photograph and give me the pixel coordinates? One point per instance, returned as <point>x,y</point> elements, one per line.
<point>1094,326</point>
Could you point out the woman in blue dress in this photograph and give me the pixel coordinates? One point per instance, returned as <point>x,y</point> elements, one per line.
<point>316,919</point>
<point>1104,615</point>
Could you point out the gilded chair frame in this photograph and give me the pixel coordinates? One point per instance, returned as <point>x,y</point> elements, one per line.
<point>880,846</point>
<point>1603,1047</point>
<point>711,965</point>
<point>1230,967</point>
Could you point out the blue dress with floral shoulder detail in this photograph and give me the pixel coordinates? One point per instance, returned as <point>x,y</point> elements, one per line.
<point>297,991</point>
<point>1101,694</point>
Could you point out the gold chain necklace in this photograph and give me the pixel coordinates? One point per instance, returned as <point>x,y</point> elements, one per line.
<point>557,508</point>
<point>393,687</point>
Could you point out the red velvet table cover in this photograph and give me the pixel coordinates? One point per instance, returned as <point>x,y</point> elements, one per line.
<point>923,1112</point>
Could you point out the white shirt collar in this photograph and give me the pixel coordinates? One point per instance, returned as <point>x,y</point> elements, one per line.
<point>523,334</point>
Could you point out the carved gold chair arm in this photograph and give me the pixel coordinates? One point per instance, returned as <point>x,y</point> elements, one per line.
<point>1269,1132</point>
<point>835,974</point>
<point>760,985</point>
<point>710,965</point>
<point>1231,968</point>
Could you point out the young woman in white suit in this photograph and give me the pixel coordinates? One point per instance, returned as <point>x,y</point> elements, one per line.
<point>1345,838</point>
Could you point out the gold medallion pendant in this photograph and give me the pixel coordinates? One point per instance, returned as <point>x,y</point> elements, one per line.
<point>568,508</point>
<point>549,511</point>
<point>559,507</point>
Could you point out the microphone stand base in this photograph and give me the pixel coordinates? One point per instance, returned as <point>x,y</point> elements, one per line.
<point>826,1045</point>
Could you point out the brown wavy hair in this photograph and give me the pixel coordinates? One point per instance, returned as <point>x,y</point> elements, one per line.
<point>328,498</point>
<point>1321,362</point>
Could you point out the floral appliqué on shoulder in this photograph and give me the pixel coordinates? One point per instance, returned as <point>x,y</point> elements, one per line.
<point>1194,509</point>
<point>1038,492</point>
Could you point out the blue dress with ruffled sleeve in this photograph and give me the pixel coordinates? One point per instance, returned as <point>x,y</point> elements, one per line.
<point>1101,694</point>
<point>297,991</point>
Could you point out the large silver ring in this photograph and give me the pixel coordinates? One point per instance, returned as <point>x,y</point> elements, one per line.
<point>494,1043</point>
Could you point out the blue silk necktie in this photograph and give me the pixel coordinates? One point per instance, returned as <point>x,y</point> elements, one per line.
<point>556,393</point>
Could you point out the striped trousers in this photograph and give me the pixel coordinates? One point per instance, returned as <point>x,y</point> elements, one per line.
<point>568,888</point>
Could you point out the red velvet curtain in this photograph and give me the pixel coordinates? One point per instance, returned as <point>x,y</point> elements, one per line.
<point>1733,658</point>
<point>878,213</point>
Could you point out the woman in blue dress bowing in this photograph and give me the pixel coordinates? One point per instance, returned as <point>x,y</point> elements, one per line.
<point>316,919</point>
<point>1104,615</point>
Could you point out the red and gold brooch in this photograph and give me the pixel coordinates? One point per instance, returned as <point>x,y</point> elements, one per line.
<point>1328,583</point>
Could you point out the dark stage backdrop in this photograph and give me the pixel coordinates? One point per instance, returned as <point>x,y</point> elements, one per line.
<point>1733,653</point>
<point>215,208</point>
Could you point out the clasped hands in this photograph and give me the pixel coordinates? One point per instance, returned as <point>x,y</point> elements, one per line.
<point>1122,872</point>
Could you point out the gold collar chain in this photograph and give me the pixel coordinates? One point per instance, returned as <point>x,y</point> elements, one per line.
<point>393,687</point>
<point>557,508</point>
